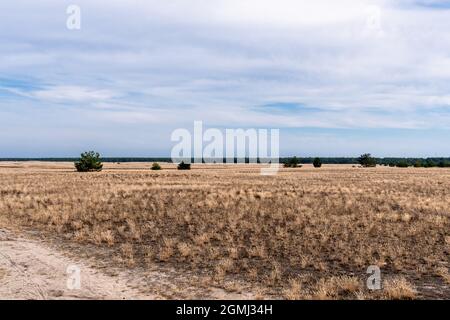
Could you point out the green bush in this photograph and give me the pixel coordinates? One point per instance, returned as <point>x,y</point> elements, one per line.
<point>89,161</point>
<point>292,163</point>
<point>317,163</point>
<point>184,166</point>
<point>156,166</point>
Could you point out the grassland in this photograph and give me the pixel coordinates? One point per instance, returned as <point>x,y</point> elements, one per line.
<point>304,233</point>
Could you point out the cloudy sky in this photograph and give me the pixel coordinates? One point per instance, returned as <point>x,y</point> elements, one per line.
<point>338,78</point>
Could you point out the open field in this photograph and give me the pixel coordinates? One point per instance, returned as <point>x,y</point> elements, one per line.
<point>304,233</point>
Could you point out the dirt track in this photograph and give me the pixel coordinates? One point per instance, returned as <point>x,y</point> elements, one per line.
<point>31,270</point>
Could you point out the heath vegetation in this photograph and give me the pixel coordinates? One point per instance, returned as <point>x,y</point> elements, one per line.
<point>299,234</point>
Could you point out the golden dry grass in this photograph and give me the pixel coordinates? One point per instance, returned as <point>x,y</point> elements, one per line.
<point>2,273</point>
<point>304,233</point>
<point>399,288</point>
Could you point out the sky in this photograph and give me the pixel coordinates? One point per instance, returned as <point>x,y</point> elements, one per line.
<point>338,78</point>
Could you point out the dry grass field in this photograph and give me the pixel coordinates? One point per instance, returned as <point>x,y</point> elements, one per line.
<point>305,233</point>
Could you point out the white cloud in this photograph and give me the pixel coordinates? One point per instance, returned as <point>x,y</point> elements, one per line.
<point>72,94</point>
<point>364,63</point>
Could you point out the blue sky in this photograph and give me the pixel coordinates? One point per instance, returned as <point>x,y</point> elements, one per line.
<point>338,78</point>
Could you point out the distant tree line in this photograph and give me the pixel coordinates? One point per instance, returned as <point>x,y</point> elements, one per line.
<point>106,159</point>
<point>400,162</point>
<point>366,160</point>
<point>393,162</point>
<point>416,162</point>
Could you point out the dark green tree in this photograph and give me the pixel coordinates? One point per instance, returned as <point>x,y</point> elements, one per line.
<point>366,160</point>
<point>293,162</point>
<point>184,166</point>
<point>89,161</point>
<point>317,163</point>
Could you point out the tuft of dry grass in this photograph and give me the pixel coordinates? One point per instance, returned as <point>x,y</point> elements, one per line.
<point>399,289</point>
<point>294,290</point>
<point>444,274</point>
<point>3,273</point>
<point>127,252</point>
<point>337,287</point>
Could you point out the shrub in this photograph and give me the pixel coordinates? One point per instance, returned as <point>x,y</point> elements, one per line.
<point>156,166</point>
<point>366,160</point>
<point>184,166</point>
<point>317,163</point>
<point>89,161</point>
<point>292,163</point>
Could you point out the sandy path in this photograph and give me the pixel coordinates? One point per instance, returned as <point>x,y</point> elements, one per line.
<point>31,270</point>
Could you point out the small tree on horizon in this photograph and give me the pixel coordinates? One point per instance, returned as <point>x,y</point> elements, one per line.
<point>317,163</point>
<point>293,162</point>
<point>184,166</point>
<point>89,161</point>
<point>366,160</point>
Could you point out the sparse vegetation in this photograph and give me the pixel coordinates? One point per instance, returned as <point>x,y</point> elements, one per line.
<point>89,161</point>
<point>444,273</point>
<point>234,223</point>
<point>399,289</point>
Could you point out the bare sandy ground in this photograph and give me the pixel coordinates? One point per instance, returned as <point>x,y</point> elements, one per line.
<point>31,270</point>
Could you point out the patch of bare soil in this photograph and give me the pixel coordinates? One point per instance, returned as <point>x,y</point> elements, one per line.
<point>31,270</point>
<point>34,269</point>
